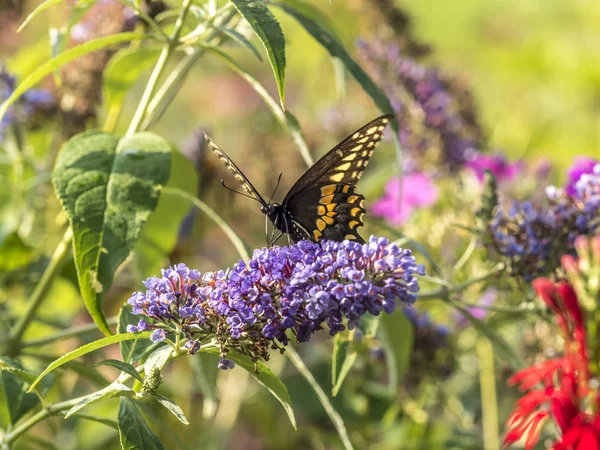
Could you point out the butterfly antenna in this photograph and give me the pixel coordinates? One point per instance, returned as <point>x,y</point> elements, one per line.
<point>276,187</point>
<point>237,192</point>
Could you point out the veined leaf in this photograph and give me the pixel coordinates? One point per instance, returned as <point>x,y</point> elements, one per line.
<point>108,187</point>
<point>134,432</point>
<point>85,349</point>
<point>265,377</point>
<point>120,391</point>
<point>49,67</point>
<point>266,27</point>
<point>131,351</point>
<point>122,366</point>
<point>342,361</point>
<point>172,407</point>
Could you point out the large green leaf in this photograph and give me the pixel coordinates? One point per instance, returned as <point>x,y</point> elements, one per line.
<point>108,187</point>
<point>266,27</point>
<point>120,74</point>
<point>85,349</point>
<point>266,377</point>
<point>397,335</point>
<point>49,67</point>
<point>134,432</point>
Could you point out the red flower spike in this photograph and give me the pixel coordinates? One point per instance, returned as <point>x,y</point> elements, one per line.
<point>569,298</point>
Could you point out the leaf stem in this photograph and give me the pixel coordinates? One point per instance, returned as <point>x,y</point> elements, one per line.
<point>489,404</point>
<point>444,291</point>
<point>59,258</point>
<point>159,69</point>
<point>337,420</point>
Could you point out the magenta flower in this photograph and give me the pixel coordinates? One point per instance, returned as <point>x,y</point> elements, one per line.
<point>581,166</point>
<point>497,164</point>
<point>400,200</point>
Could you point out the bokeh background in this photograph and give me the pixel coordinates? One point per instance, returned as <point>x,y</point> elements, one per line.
<point>532,68</point>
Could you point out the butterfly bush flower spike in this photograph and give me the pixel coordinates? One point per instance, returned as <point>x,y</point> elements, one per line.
<point>281,292</point>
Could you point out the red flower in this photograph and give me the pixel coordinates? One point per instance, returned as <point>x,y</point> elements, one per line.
<point>562,392</point>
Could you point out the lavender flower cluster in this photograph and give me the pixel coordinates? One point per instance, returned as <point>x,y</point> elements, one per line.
<point>435,113</point>
<point>530,240</point>
<point>299,288</point>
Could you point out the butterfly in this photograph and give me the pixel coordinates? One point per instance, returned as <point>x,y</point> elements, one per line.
<point>323,203</point>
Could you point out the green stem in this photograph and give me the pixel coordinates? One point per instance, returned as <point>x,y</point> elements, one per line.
<point>68,333</point>
<point>337,420</point>
<point>489,404</point>
<point>59,258</point>
<point>159,68</point>
<point>444,291</point>
<point>170,87</point>
<point>233,237</point>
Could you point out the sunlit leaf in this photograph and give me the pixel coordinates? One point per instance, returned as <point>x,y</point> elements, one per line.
<point>123,367</point>
<point>267,28</point>
<point>266,377</point>
<point>108,187</point>
<point>85,349</point>
<point>131,351</point>
<point>119,390</point>
<point>49,67</point>
<point>342,361</point>
<point>172,407</point>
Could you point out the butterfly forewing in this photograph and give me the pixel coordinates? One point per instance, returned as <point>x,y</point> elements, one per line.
<point>324,201</point>
<point>237,173</point>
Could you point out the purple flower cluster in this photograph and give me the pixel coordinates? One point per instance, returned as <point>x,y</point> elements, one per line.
<point>30,103</point>
<point>530,240</point>
<point>299,289</point>
<point>436,115</point>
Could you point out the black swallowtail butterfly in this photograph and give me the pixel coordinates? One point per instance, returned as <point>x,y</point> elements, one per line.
<point>323,203</point>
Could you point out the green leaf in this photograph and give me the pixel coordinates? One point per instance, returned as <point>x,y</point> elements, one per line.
<point>503,348</point>
<point>134,432</point>
<point>122,366</point>
<point>158,358</point>
<point>240,39</point>
<point>266,27</point>
<point>14,400</point>
<point>120,74</point>
<point>264,376</point>
<point>119,390</point>
<point>397,335</point>
<point>40,8</point>
<point>14,367</point>
<point>49,67</point>
<point>343,360</point>
<point>108,187</point>
<point>337,50</point>
<point>172,407</point>
<point>131,351</point>
<point>204,367</point>
<point>85,349</point>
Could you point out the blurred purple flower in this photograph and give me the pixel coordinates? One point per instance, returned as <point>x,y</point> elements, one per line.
<point>402,197</point>
<point>582,165</point>
<point>497,163</point>
<point>281,290</point>
<point>487,298</point>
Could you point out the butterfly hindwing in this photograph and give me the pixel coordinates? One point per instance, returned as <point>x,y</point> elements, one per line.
<point>237,173</point>
<point>333,211</point>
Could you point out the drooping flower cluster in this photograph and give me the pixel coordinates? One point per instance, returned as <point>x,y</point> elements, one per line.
<point>563,389</point>
<point>299,288</point>
<point>26,108</point>
<point>530,240</point>
<point>436,113</point>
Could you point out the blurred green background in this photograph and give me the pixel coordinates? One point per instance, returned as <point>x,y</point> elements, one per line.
<point>534,68</point>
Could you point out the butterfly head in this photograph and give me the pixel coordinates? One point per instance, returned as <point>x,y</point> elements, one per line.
<point>275,212</point>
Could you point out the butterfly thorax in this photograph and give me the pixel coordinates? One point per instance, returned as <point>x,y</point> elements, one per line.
<point>276,213</point>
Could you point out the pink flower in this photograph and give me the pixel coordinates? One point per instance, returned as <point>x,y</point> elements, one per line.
<point>497,164</point>
<point>400,200</point>
<point>582,165</point>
